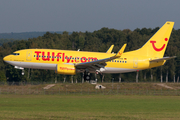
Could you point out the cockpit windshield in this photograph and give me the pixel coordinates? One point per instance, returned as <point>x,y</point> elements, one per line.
<point>15,54</point>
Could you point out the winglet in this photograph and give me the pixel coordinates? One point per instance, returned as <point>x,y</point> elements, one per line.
<point>110,49</point>
<point>120,52</point>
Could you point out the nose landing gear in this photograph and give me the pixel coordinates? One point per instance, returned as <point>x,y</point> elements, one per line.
<point>17,67</point>
<point>22,71</point>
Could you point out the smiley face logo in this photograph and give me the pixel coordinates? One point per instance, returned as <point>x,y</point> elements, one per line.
<point>158,49</point>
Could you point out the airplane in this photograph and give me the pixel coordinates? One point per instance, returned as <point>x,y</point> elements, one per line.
<point>70,62</point>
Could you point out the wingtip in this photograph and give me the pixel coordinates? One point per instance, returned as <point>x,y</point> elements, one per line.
<point>120,52</point>
<point>170,22</point>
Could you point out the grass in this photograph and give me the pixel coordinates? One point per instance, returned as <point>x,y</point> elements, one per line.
<point>86,88</point>
<point>85,107</point>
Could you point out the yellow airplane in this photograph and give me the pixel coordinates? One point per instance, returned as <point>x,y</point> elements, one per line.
<point>70,62</point>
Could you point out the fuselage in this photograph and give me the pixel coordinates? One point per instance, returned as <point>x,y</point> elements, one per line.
<point>50,58</point>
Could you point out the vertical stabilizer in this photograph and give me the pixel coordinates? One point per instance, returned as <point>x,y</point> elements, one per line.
<point>156,45</point>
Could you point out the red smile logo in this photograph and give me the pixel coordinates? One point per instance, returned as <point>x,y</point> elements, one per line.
<point>158,49</point>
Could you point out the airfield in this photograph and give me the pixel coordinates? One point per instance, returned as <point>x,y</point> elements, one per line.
<point>81,101</point>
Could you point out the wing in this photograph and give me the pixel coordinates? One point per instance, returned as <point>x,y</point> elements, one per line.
<point>96,65</point>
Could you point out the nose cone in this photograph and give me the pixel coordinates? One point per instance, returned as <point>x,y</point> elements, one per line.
<point>6,58</point>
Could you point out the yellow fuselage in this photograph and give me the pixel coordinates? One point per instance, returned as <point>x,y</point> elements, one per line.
<point>33,58</point>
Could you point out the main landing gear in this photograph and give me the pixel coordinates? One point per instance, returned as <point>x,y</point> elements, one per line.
<point>87,76</point>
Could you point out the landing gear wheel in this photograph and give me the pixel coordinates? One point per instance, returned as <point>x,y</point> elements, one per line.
<point>87,76</point>
<point>23,72</point>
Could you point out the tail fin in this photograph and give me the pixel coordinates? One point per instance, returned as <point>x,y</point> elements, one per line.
<point>156,45</point>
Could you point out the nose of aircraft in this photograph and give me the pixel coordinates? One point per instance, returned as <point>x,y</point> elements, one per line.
<point>5,58</point>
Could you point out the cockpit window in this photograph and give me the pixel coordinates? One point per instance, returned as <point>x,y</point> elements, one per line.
<point>15,54</point>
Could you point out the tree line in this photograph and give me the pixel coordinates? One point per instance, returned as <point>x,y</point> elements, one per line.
<point>97,41</point>
<point>23,35</point>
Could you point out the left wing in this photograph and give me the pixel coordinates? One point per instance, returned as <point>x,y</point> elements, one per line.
<point>99,63</point>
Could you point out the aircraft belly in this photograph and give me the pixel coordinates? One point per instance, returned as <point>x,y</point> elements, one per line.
<point>33,65</point>
<point>53,67</point>
<point>117,70</point>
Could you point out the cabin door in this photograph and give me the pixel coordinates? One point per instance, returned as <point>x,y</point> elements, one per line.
<point>29,55</point>
<point>135,62</point>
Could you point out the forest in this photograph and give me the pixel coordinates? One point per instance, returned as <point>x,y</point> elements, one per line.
<point>23,35</point>
<point>97,41</point>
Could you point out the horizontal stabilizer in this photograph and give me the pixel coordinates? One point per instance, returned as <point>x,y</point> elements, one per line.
<point>161,59</point>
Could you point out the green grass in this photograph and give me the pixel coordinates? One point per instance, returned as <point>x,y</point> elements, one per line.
<point>89,89</point>
<point>85,107</point>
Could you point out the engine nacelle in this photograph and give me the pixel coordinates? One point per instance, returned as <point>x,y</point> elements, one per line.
<point>66,69</point>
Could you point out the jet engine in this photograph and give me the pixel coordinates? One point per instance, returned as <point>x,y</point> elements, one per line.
<point>66,69</point>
